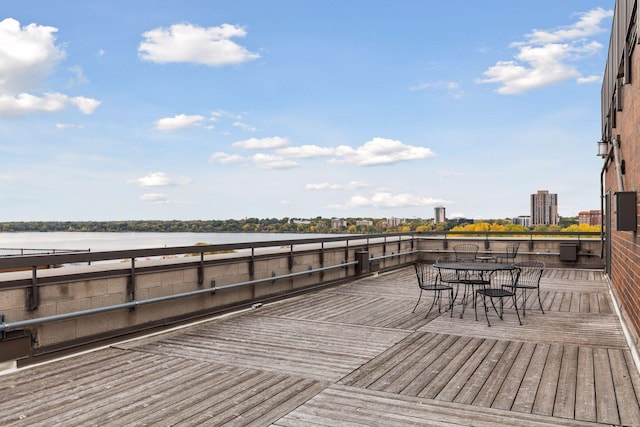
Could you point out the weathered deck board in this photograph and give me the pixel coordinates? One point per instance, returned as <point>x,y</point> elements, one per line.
<point>349,406</point>
<point>354,355</point>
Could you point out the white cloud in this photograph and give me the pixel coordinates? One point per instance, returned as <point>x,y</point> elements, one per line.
<point>66,126</point>
<point>453,89</point>
<point>28,55</point>
<point>154,179</point>
<point>191,43</point>
<point>86,105</point>
<point>25,103</point>
<point>306,151</point>
<point>385,199</point>
<point>269,161</point>
<point>261,143</point>
<point>79,77</point>
<point>587,25</point>
<point>178,122</point>
<point>546,57</point>
<point>155,198</point>
<point>245,126</point>
<point>226,158</point>
<point>159,179</point>
<point>327,186</point>
<point>381,151</point>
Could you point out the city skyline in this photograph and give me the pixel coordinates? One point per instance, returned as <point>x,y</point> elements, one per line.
<point>198,110</point>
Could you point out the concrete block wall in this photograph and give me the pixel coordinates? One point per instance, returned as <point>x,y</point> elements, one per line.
<point>79,295</point>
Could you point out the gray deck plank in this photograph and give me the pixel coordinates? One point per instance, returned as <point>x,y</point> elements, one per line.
<point>585,386</point>
<point>355,355</point>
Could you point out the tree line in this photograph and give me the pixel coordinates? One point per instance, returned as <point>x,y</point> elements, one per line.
<point>282,225</point>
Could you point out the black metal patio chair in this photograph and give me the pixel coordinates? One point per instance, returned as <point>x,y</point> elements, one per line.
<point>468,278</point>
<point>500,286</point>
<point>429,280</point>
<point>529,278</point>
<point>509,254</point>
<point>466,251</point>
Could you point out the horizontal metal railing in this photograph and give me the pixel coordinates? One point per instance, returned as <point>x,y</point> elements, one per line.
<point>380,251</point>
<point>9,326</point>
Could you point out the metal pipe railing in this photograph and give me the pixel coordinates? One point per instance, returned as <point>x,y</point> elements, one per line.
<point>8,326</point>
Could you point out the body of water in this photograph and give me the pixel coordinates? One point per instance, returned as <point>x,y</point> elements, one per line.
<point>97,242</point>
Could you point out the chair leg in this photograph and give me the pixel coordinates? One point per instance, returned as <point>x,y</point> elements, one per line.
<point>451,302</point>
<point>518,314</point>
<point>419,296</point>
<point>486,309</point>
<point>436,297</point>
<point>540,302</point>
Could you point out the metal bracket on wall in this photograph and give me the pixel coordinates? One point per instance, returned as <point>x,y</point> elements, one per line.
<point>3,333</point>
<point>131,284</point>
<point>213,287</point>
<point>290,260</point>
<point>33,293</point>
<point>252,263</point>
<point>201,270</point>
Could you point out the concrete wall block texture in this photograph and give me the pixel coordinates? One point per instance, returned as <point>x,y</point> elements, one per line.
<point>70,306</point>
<point>12,299</point>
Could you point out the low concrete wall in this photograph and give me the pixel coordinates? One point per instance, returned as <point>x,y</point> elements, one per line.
<point>547,250</point>
<point>80,288</point>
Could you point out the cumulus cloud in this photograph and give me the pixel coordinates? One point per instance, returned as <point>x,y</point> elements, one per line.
<point>244,126</point>
<point>269,161</point>
<point>28,55</point>
<point>178,122</point>
<point>378,151</point>
<point>548,57</point>
<point>191,43</point>
<point>328,186</point>
<point>306,151</point>
<point>261,143</point>
<point>226,158</point>
<point>381,151</point>
<point>384,199</point>
<point>159,179</point>
<point>155,198</point>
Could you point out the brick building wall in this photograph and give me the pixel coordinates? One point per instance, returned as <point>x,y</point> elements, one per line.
<point>621,123</point>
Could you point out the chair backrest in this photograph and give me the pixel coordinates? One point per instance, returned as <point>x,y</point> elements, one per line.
<point>446,274</point>
<point>530,273</point>
<point>466,251</point>
<point>511,250</point>
<point>427,275</point>
<point>504,278</point>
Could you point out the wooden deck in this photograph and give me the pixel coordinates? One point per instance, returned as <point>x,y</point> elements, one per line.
<point>354,355</point>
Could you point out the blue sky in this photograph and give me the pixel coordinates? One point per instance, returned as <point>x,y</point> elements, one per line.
<point>206,109</point>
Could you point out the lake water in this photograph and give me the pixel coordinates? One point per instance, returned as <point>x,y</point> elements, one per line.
<point>116,241</point>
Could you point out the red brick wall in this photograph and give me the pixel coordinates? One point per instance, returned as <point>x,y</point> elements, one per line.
<point>625,245</point>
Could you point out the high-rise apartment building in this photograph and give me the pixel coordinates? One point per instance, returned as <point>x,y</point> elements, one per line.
<point>439,215</point>
<point>544,208</point>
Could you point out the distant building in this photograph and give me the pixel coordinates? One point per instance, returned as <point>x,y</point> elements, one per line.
<point>395,222</point>
<point>338,223</point>
<point>365,222</point>
<point>544,208</point>
<point>590,217</point>
<point>439,214</point>
<point>524,220</point>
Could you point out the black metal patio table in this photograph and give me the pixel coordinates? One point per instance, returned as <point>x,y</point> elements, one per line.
<point>470,274</point>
